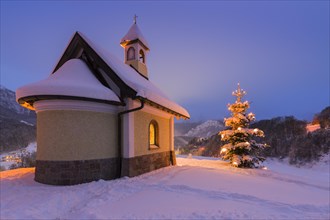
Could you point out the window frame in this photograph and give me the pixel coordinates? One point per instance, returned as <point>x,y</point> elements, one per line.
<point>142,57</point>
<point>156,135</point>
<point>128,53</point>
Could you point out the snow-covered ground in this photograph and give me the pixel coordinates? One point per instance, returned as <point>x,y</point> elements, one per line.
<point>198,188</point>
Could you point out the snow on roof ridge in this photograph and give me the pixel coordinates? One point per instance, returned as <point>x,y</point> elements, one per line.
<point>142,86</point>
<point>72,79</point>
<point>59,59</point>
<point>134,33</point>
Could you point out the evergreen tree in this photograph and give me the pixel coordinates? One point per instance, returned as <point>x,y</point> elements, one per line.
<point>241,150</point>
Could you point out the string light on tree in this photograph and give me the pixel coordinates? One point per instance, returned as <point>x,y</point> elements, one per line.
<point>241,150</point>
<point>223,150</point>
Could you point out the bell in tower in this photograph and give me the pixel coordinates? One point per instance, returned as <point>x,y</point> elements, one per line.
<point>136,48</point>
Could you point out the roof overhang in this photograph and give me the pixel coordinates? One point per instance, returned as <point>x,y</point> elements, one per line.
<point>28,101</point>
<point>129,42</point>
<point>158,106</point>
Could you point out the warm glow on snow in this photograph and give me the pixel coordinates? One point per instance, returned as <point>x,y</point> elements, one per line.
<point>16,173</point>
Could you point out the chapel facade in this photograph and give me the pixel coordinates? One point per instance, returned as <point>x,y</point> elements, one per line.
<point>99,117</point>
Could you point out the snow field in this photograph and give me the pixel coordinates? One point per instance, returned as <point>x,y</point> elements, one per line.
<point>198,188</point>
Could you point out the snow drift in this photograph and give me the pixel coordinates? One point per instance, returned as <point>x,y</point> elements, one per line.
<point>195,189</point>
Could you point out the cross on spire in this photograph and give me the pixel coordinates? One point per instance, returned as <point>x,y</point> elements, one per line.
<point>239,93</point>
<point>134,19</point>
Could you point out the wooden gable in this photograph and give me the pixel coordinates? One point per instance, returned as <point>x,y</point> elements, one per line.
<point>79,48</point>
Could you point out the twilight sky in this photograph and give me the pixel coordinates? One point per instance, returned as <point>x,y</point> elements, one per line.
<point>277,50</point>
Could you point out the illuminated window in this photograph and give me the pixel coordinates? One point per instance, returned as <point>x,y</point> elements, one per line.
<point>131,53</point>
<point>153,134</point>
<point>141,56</point>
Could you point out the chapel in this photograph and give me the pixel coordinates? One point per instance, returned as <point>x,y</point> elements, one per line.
<point>99,117</point>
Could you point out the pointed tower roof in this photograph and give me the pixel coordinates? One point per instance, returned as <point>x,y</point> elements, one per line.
<point>133,34</point>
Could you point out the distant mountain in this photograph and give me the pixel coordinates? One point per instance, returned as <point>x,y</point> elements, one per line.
<point>181,128</point>
<point>187,131</point>
<point>7,100</point>
<point>17,124</point>
<point>206,129</point>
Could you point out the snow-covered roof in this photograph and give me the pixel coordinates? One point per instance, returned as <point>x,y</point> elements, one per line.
<point>134,33</point>
<point>144,88</point>
<point>73,79</point>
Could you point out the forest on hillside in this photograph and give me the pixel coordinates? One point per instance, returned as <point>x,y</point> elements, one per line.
<point>287,137</point>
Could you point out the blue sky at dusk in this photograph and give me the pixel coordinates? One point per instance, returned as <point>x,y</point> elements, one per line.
<point>277,50</point>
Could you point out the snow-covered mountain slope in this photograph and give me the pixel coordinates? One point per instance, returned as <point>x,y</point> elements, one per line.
<point>206,129</point>
<point>8,100</point>
<point>17,124</point>
<point>181,128</point>
<point>197,188</point>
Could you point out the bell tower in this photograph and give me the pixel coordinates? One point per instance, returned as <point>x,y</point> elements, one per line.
<point>136,49</point>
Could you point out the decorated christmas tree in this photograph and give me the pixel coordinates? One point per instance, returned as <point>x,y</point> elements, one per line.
<point>241,150</point>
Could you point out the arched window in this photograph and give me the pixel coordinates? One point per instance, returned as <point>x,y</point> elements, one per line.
<point>141,56</point>
<point>131,53</point>
<point>153,134</point>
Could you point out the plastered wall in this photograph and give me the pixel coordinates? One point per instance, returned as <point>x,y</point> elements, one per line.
<point>141,67</point>
<point>141,133</point>
<point>76,135</point>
